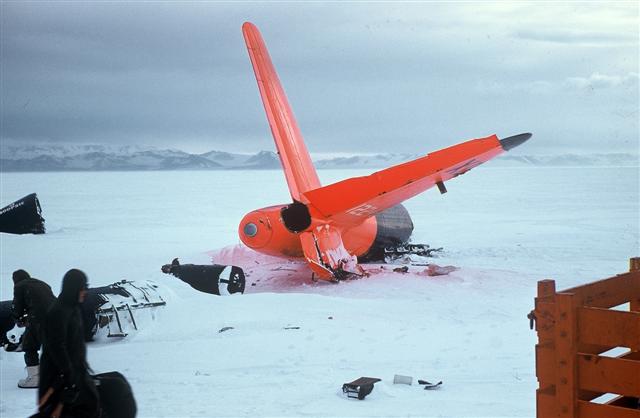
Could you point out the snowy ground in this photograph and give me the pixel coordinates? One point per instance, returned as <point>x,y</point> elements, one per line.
<point>505,228</point>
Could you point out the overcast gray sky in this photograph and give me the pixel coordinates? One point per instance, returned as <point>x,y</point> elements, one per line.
<point>361,77</point>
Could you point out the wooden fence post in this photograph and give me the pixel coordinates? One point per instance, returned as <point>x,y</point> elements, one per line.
<point>543,314</point>
<point>634,267</point>
<point>546,288</point>
<point>566,346</point>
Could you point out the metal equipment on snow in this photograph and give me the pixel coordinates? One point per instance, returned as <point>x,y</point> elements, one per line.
<point>114,306</point>
<point>360,387</point>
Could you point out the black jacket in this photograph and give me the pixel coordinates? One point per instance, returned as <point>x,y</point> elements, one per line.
<point>6,320</point>
<point>32,297</point>
<point>64,357</point>
<point>64,349</point>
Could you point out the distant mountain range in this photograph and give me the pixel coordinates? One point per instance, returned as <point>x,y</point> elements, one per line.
<point>123,158</point>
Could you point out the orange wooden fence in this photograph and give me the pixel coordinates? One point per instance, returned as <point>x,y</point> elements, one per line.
<point>576,328</point>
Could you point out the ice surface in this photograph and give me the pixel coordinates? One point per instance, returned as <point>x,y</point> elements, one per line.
<point>505,228</point>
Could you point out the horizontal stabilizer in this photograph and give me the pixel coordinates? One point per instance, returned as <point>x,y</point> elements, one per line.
<point>351,201</point>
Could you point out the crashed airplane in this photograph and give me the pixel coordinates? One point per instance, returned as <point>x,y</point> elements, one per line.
<point>333,226</point>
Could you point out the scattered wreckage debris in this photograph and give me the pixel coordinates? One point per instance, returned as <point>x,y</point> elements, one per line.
<point>431,270</point>
<point>399,379</point>
<point>269,273</point>
<point>24,216</point>
<point>401,251</point>
<point>360,387</point>
<point>408,380</point>
<point>429,385</point>
<point>363,386</point>
<point>215,279</point>
<point>436,270</point>
<point>223,329</point>
<point>112,307</point>
<point>106,309</point>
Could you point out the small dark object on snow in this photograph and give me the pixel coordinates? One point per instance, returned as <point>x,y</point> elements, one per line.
<point>216,279</point>
<point>291,328</point>
<point>116,396</point>
<point>359,388</point>
<point>224,329</point>
<point>396,252</point>
<point>24,216</point>
<point>402,269</point>
<point>429,385</point>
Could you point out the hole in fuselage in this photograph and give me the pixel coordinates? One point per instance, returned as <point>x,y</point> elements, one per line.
<point>296,217</point>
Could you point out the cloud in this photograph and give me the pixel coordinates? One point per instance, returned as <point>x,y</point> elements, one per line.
<point>575,36</point>
<point>532,87</point>
<point>604,81</point>
<point>545,87</point>
<point>360,75</point>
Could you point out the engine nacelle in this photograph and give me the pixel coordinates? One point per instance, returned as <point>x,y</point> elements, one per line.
<point>393,227</point>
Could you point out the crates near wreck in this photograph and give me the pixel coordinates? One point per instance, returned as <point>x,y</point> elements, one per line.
<point>588,351</point>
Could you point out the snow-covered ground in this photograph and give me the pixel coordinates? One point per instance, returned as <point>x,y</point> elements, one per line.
<point>505,228</point>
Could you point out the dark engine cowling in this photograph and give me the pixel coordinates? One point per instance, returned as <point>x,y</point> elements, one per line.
<point>24,216</point>
<point>216,279</point>
<point>394,227</point>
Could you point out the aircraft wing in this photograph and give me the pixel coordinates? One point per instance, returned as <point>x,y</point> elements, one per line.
<point>350,201</point>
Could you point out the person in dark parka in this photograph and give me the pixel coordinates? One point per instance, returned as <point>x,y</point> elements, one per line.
<point>64,373</point>
<point>31,301</point>
<point>7,323</point>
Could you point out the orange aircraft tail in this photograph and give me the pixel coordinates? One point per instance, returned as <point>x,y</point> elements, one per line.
<point>298,169</point>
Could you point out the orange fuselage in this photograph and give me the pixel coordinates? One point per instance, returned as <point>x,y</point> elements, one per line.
<point>271,236</point>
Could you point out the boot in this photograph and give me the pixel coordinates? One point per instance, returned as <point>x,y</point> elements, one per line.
<point>32,379</point>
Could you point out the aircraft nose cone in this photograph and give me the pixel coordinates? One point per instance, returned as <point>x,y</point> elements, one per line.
<point>513,141</point>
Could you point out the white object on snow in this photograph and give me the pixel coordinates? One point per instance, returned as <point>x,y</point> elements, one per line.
<point>399,379</point>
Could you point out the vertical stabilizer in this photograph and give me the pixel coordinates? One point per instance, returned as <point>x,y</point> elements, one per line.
<point>299,171</point>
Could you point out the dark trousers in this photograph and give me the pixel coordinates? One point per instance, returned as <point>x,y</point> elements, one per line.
<point>31,343</point>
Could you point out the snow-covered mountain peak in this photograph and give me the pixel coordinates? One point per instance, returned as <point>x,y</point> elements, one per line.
<point>48,157</point>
